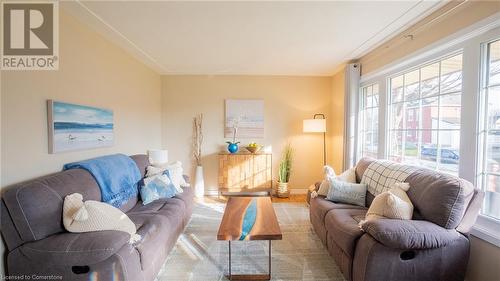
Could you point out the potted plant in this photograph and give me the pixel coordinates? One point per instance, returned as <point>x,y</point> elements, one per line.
<point>285,169</point>
<point>232,147</point>
<point>199,185</point>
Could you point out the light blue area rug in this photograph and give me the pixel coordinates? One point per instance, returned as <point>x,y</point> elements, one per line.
<point>299,256</point>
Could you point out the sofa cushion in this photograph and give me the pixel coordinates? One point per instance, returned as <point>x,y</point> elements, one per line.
<point>9,232</point>
<point>173,207</point>
<point>149,208</point>
<point>342,227</point>
<point>410,234</point>
<point>472,212</point>
<point>76,248</point>
<point>320,207</point>
<point>157,206</point>
<point>439,197</point>
<point>361,167</point>
<point>36,206</point>
<point>186,195</point>
<point>158,223</point>
<point>142,161</point>
<point>158,234</point>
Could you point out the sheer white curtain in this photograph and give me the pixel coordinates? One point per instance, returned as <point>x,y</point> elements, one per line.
<point>352,76</point>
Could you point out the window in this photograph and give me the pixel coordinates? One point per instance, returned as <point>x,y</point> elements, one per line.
<point>424,115</point>
<point>435,102</point>
<point>368,125</point>
<point>490,131</point>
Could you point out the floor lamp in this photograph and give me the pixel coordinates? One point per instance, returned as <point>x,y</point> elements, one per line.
<point>317,125</point>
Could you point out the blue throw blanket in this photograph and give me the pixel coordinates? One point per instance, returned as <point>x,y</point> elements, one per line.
<point>117,176</point>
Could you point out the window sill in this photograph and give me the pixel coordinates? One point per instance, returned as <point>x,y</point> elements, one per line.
<point>487,229</point>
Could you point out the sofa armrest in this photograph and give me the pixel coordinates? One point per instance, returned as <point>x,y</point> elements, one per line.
<point>76,248</point>
<point>313,187</point>
<point>472,211</point>
<point>409,234</point>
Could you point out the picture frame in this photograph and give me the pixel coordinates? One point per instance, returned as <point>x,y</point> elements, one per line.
<point>77,127</point>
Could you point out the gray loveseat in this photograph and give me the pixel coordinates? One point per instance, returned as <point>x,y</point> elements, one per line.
<point>38,244</point>
<point>434,245</point>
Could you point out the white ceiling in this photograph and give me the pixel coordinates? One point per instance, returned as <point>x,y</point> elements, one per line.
<point>251,38</point>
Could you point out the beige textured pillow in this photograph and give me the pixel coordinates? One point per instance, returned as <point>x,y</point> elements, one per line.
<point>324,187</point>
<point>325,184</point>
<point>79,216</point>
<point>347,176</point>
<point>393,204</point>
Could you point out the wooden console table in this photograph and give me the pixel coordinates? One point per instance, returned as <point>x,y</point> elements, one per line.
<point>245,173</point>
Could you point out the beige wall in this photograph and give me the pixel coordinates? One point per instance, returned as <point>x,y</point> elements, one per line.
<point>287,101</point>
<point>483,262</point>
<point>337,120</point>
<point>93,72</point>
<point>449,19</point>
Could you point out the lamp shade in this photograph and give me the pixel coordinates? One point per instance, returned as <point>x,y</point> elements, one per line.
<point>314,126</point>
<point>158,156</point>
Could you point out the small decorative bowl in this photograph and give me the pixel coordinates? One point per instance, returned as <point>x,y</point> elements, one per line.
<point>253,149</point>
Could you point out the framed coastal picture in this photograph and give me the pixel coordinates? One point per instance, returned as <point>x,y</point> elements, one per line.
<point>246,116</point>
<point>77,127</point>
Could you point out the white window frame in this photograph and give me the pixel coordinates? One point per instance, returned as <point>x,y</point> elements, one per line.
<point>469,42</point>
<point>485,222</point>
<point>411,69</point>
<point>361,119</point>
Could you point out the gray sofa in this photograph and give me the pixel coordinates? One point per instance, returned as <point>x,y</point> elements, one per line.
<point>38,244</point>
<point>432,246</point>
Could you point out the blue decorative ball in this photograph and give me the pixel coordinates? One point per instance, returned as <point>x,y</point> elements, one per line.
<point>232,147</point>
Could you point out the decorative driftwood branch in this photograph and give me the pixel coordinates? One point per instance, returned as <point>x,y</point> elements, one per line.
<point>197,138</point>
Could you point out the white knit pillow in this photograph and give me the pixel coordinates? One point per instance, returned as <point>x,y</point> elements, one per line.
<point>347,176</point>
<point>176,173</point>
<point>324,187</point>
<point>392,204</point>
<point>79,216</point>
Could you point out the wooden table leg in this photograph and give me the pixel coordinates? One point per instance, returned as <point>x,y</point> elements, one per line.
<point>247,277</point>
<point>269,258</point>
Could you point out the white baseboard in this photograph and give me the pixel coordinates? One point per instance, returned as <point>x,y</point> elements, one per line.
<point>298,190</point>
<point>212,193</point>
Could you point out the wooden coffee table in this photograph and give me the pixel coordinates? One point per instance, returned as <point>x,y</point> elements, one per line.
<point>249,218</point>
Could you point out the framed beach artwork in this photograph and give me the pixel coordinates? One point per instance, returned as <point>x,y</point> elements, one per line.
<point>247,116</point>
<point>77,127</point>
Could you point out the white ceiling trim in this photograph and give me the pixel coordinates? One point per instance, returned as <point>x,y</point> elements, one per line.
<point>417,12</point>
<point>439,48</point>
<point>86,15</point>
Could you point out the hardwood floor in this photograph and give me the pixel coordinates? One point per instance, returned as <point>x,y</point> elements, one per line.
<point>293,198</point>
